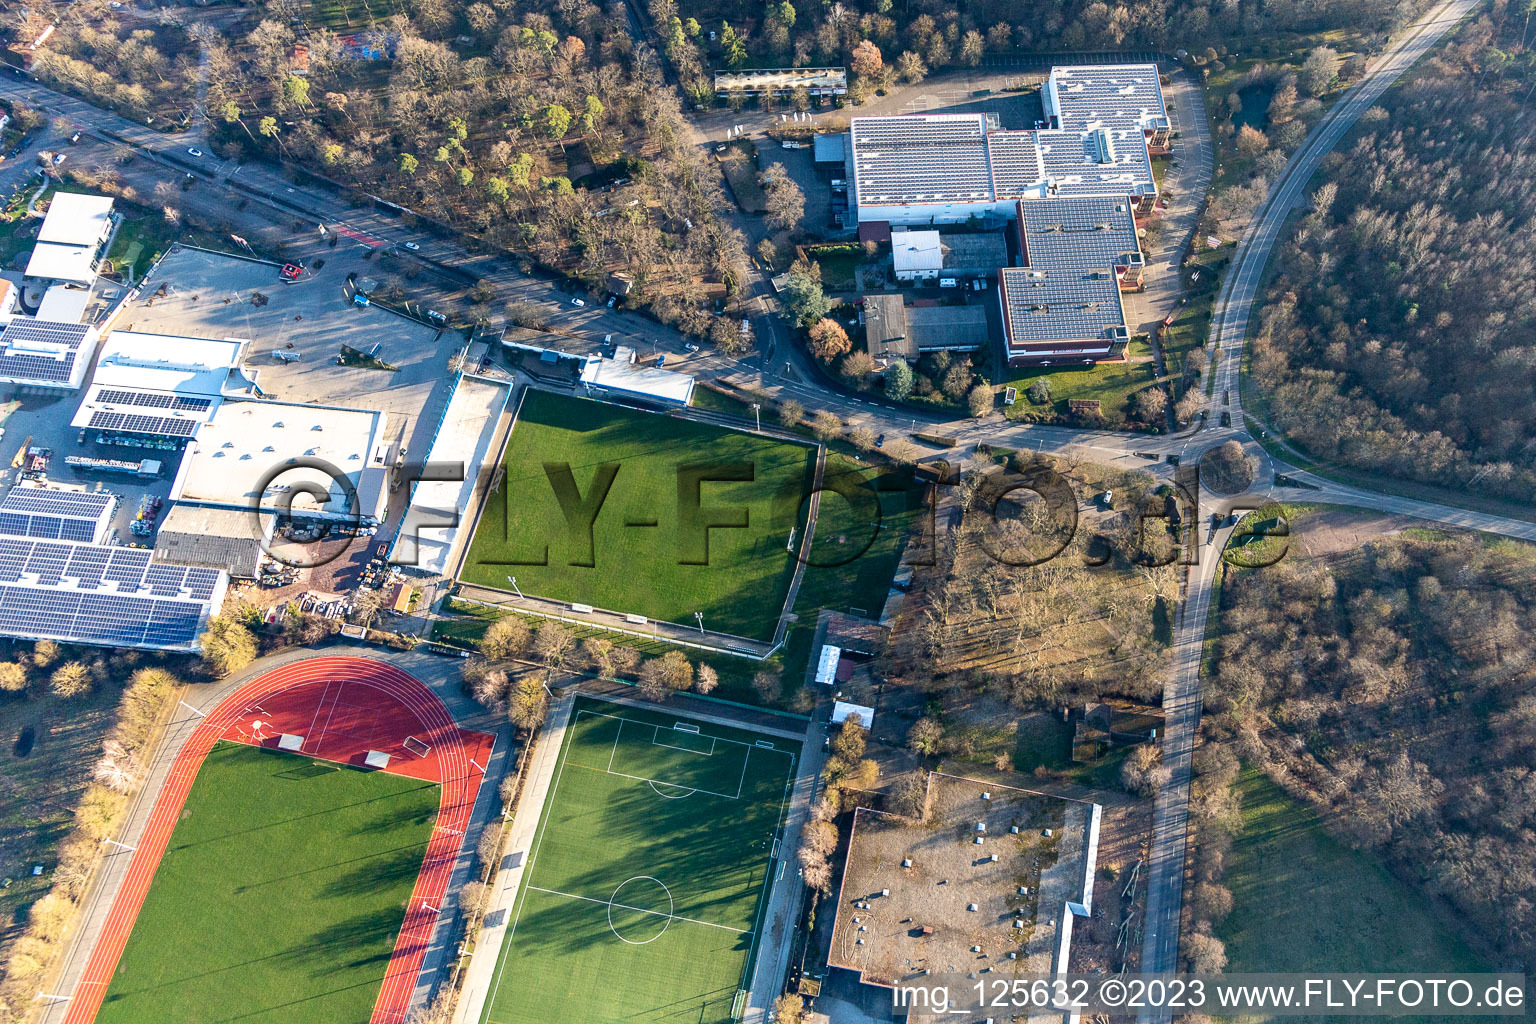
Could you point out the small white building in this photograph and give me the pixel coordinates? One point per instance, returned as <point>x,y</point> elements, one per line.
<point>625,376</point>
<point>69,245</point>
<point>917,254</point>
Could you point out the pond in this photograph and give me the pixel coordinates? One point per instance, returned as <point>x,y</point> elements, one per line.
<point>1255,105</point>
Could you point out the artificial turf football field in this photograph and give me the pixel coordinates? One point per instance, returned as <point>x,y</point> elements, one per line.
<point>643,891</point>
<point>279,897</point>
<point>645,551</point>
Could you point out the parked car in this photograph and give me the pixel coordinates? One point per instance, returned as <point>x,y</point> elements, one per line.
<point>412,247</point>
<point>661,361</point>
<point>194,151</point>
<point>578,302</point>
<point>611,300</point>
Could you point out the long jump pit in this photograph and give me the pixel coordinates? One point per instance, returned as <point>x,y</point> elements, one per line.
<point>296,859</point>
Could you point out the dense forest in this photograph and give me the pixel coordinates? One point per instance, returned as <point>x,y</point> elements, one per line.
<point>1395,688</point>
<point>1398,336</point>
<point>912,38</point>
<point>544,127</point>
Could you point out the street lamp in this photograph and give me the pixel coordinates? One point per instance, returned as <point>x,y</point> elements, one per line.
<point>513,580</point>
<point>757,410</point>
<point>700,617</point>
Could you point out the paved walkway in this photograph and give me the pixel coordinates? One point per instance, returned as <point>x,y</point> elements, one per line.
<point>481,977</point>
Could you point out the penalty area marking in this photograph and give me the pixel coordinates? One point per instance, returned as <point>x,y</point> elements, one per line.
<point>670,796</point>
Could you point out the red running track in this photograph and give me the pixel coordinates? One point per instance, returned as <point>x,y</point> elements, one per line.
<point>341,708</point>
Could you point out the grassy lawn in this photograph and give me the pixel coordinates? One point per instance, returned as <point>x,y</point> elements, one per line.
<point>1303,901</point>
<point>641,897</point>
<point>280,894</point>
<point>854,556</point>
<point>140,241</point>
<point>48,746</point>
<point>648,551</point>
<point>739,162</point>
<point>1112,384</point>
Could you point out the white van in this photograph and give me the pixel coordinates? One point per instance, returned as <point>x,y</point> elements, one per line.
<point>949,282</point>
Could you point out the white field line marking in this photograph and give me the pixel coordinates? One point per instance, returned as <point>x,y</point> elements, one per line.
<point>642,910</point>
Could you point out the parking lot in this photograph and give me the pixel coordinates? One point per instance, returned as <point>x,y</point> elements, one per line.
<point>307,321</point>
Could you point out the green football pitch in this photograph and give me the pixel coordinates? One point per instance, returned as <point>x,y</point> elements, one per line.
<point>642,895</point>
<point>662,542</point>
<point>279,897</point>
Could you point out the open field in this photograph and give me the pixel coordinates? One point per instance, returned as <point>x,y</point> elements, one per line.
<point>279,896</point>
<point>648,551</point>
<point>1302,900</point>
<point>642,895</point>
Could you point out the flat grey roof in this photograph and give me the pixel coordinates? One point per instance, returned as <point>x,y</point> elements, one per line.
<point>936,327</point>
<point>1108,95</point>
<point>985,250</point>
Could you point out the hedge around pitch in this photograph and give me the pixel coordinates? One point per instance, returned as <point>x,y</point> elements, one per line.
<point>641,902</point>
<point>279,897</point>
<point>630,567</point>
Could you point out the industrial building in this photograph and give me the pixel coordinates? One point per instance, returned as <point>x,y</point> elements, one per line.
<point>157,386</point>
<point>438,522</point>
<point>951,168</point>
<point>1121,96</point>
<point>58,583</point>
<point>304,462</point>
<point>44,354</point>
<point>1061,315</point>
<point>1094,234</point>
<point>53,513</point>
<point>986,876</point>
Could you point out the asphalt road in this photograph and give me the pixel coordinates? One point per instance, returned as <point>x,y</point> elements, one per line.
<point>1181,699</point>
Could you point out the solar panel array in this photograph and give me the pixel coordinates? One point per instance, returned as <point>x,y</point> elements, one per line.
<point>88,593</point>
<point>1060,304</point>
<point>36,365</point>
<point>137,423</point>
<point>1086,233</point>
<point>1112,95</point>
<point>42,513</point>
<point>153,400</point>
<point>1073,165</point>
<point>1016,166</point>
<point>906,160</point>
<point>921,159</point>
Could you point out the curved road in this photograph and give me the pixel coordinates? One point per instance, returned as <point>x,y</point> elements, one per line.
<point>1235,304</point>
